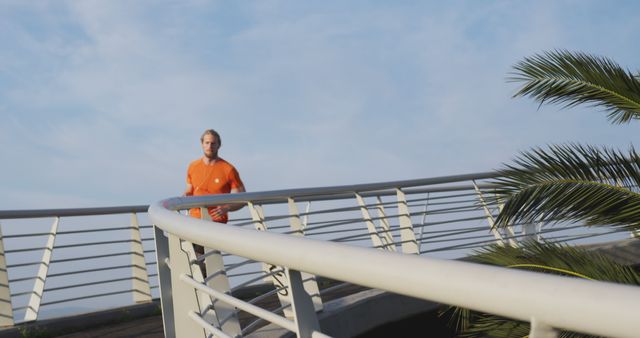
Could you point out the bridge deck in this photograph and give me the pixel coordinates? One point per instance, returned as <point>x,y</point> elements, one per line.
<point>149,326</point>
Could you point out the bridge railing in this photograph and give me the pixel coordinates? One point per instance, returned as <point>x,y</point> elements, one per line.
<point>390,236</point>
<point>59,262</point>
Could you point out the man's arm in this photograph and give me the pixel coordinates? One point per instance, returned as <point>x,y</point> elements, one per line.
<point>222,210</point>
<point>237,206</point>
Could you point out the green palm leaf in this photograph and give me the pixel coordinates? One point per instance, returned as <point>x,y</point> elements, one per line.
<point>551,258</point>
<point>597,186</point>
<point>576,78</point>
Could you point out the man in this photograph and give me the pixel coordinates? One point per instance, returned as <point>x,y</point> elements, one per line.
<point>213,175</point>
<point>208,175</point>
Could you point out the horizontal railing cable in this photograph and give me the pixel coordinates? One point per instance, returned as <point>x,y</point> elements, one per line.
<point>242,305</point>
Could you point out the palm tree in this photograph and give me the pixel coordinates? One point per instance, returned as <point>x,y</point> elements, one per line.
<point>573,182</point>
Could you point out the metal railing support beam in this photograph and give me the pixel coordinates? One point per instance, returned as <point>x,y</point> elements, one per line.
<point>309,280</point>
<point>164,278</point>
<point>541,330</point>
<point>492,224</point>
<point>376,240</point>
<point>423,224</point>
<point>407,233</point>
<point>302,306</point>
<point>384,224</point>
<point>531,232</point>
<point>185,298</point>
<point>38,287</point>
<point>205,302</point>
<point>214,263</point>
<point>140,281</point>
<point>278,279</point>
<point>215,267</point>
<point>6,310</point>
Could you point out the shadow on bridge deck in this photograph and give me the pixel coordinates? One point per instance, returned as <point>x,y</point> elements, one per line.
<point>367,309</point>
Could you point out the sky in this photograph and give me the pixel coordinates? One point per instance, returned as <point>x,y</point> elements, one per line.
<point>102,103</point>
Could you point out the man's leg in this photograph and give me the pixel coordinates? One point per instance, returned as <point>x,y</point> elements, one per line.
<point>199,249</point>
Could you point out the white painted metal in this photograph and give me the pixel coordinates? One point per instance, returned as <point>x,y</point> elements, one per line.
<point>423,224</point>
<point>376,239</point>
<point>302,306</point>
<point>184,297</point>
<point>38,287</point>
<point>309,280</point>
<point>541,330</point>
<point>305,219</point>
<point>217,278</point>
<point>6,310</point>
<point>579,305</point>
<point>508,229</point>
<point>140,275</point>
<point>275,274</point>
<point>214,264</point>
<point>164,276</point>
<point>531,232</point>
<point>205,302</point>
<point>494,230</point>
<point>384,225</point>
<point>214,330</point>
<point>407,234</point>
<point>250,308</point>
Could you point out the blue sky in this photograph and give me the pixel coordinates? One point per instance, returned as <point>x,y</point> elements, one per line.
<point>103,102</point>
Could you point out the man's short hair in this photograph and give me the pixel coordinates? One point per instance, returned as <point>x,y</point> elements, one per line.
<point>211,132</point>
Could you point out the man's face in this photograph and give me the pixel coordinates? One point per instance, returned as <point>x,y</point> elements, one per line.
<point>210,146</point>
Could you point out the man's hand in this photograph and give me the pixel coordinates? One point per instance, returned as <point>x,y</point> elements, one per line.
<point>219,211</point>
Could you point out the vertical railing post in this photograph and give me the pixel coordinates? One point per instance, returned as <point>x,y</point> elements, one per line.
<point>384,224</point>
<point>164,280</point>
<point>6,310</point>
<point>541,330</point>
<point>38,287</point>
<point>494,230</point>
<point>309,280</point>
<point>407,234</point>
<point>141,287</point>
<point>185,298</point>
<point>302,307</point>
<point>371,228</point>
<point>531,232</point>
<point>279,280</point>
<point>217,279</point>
<point>223,314</point>
<point>423,224</point>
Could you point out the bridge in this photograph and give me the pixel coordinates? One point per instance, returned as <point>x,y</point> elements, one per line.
<point>316,262</point>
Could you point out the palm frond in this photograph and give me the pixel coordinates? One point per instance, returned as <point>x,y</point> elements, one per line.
<point>574,78</point>
<point>486,325</point>
<point>560,257</point>
<point>580,261</point>
<point>571,182</point>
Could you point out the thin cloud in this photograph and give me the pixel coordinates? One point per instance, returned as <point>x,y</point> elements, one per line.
<point>112,96</point>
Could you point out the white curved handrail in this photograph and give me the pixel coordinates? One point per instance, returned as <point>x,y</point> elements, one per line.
<point>578,305</point>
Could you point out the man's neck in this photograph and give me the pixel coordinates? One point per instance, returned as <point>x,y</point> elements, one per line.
<point>209,160</point>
